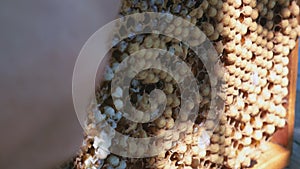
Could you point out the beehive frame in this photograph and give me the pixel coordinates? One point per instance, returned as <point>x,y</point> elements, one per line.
<point>281,142</point>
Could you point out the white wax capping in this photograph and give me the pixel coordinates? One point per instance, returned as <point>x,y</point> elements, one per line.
<point>154,113</point>
<point>255,78</point>
<point>115,66</point>
<point>102,153</point>
<point>118,116</point>
<point>109,74</point>
<point>203,140</point>
<point>118,104</point>
<point>101,144</point>
<point>109,111</point>
<point>118,93</point>
<point>113,160</point>
<point>98,116</point>
<point>122,165</point>
<point>112,123</point>
<point>97,142</point>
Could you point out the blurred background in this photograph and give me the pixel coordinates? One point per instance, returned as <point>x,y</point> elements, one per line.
<point>39,44</point>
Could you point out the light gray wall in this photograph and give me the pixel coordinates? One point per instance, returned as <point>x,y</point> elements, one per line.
<point>39,43</point>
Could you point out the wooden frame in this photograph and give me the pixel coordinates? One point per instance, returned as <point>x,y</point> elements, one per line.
<point>280,148</point>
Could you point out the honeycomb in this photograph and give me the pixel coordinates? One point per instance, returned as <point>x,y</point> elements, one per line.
<point>253,40</point>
